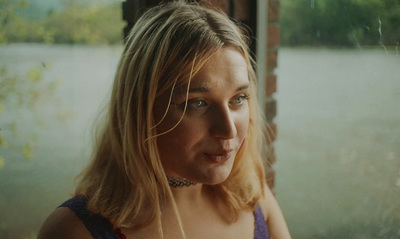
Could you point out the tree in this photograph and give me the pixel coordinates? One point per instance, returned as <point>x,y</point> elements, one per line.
<point>340,22</point>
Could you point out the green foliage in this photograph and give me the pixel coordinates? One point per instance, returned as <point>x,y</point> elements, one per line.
<point>24,96</point>
<point>340,22</point>
<point>76,24</point>
<point>7,16</point>
<point>1,162</point>
<point>303,22</point>
<point>90,25</point>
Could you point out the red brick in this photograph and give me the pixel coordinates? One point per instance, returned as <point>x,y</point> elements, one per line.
<point>273,10</point>
<point>241,10</point>
<point>222,4</point>
<point>272,59</point>
<point>270,84</point>
<point>273,32</point>
<point>270,110</point>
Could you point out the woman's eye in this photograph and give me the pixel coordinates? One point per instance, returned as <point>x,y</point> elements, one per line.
<point>193,104</point>
<point>196,104</point>
<point>240,100</point>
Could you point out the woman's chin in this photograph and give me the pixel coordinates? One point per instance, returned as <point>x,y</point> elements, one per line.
<point>216,178</point>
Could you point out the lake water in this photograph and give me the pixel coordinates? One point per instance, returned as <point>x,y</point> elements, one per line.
<point>338,146</point>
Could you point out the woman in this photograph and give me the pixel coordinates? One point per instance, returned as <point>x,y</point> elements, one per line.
<point>178,156</point>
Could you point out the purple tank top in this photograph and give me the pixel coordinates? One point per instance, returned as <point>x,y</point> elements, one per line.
<point>100,228</point>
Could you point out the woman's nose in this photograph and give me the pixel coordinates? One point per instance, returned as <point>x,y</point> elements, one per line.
<point>223,123</point>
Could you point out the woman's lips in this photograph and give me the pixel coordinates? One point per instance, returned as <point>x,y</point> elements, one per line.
<point>220,156</point>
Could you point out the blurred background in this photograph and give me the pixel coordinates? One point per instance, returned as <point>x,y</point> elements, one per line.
<point>338,110</point>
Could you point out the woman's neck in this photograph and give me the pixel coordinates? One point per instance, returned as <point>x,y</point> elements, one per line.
<point>193,194</point>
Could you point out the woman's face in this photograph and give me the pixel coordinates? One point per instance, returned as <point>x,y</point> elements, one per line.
<point>203,146</point>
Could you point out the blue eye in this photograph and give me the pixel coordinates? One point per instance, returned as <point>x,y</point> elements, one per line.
<point>196,104</point>
<point>240,100</point>
<point>193,104</point>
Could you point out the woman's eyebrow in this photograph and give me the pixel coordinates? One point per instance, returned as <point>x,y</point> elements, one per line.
<point>200,89</point>
<point>243,87</point>
<point>205,89</point>
<point>181,91</point>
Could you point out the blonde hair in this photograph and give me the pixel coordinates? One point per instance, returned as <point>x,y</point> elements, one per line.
<point>125,181</point>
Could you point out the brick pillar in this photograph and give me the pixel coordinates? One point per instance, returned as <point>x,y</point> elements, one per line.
<point>273,42</point>
<point>241,10</point>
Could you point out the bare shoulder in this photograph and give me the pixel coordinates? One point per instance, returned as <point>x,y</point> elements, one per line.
<point>268,202</point>
<point>273,215</point>
<point>63,224</point>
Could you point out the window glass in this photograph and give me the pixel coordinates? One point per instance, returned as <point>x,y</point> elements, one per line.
<point>57,62</point>
<point>338,146</point>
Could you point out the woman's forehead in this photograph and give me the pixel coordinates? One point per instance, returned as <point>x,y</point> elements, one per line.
<point>227,60</point>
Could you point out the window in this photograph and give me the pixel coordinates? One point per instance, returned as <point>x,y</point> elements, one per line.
<point>338,154</point>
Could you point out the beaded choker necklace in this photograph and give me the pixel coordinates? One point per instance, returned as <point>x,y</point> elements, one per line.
<point>178,182</point>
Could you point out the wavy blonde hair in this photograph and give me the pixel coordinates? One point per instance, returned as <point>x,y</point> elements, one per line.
<point>125,181</point>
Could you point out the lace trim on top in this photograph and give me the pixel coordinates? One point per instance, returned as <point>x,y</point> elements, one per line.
<point>260,229</point>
